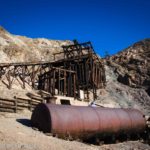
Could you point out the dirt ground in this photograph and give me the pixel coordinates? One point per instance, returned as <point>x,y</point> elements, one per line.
<point>17,133</point>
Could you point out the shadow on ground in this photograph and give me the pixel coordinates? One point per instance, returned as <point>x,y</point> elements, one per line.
<point>25,122</point>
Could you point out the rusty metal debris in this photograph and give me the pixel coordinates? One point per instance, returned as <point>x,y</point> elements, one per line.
<point>85,121</point>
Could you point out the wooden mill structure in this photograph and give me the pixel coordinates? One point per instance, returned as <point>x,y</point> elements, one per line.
<point>79,71</point>
<point>82,71</point>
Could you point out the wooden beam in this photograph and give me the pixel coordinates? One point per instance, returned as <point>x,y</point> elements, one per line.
<point>65,76</point>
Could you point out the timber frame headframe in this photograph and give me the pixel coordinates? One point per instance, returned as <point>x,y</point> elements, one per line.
<point>86,74</point>
<point>78,72</point>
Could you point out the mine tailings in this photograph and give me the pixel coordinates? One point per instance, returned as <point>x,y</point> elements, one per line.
<point>85,122</point>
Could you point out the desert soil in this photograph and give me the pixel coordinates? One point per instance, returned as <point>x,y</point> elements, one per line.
<point>17,133</point>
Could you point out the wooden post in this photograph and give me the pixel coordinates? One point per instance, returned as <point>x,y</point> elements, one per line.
<point>30,104</point>
<point>70,84</point>
<point>33,77</point>
<point>51,82</point>
<point>74,83</point>
<point>54,56</point>
<point>15,105</point>
<point>54,82</point>
<point>58,81</point>
<point>64,82</point>
<point>9,80</point>
<point>96,76</point>
<point>23,76</point>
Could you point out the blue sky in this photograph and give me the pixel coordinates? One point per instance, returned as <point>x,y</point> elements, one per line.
<point>111,25</point>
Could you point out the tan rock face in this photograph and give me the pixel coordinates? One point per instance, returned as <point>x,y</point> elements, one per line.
<point>22,49</point>
<point>133,65</point>
<point>15,49</point>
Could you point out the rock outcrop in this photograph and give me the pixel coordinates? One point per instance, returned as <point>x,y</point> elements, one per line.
<point>132,65</point>
<point>128,78</point>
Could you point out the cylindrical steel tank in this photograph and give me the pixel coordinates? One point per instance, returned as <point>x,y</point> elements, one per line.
<point>84,121</point>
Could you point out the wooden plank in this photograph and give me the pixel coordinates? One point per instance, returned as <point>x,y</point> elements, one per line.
<point>23,105</point>
<point>58,81</point>
<point>7,110</point>
<point>34,103</point>
<point>8,106</point>
<point>36,99</point>
<point>6,102</point>
<point>7,99</point>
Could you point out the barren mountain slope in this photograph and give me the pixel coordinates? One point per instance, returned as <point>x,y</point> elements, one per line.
<point>128,78</point>
<point>133,65</point>
<point>119,95</point>
<point>15,48</point>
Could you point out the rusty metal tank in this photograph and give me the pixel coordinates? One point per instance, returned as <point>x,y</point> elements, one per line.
<point>86,121</point>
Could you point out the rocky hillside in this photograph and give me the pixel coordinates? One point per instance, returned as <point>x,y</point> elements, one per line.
<point>128,86</point>
<point>120,95</point>
<point>128,78</point>
<point>132,65</point>
<point>15,48</point>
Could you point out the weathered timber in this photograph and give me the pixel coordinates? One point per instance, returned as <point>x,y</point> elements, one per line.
<point>79,69</point>
<point>90,71</point>
<point>17,104</point>
<point>60,80</point>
